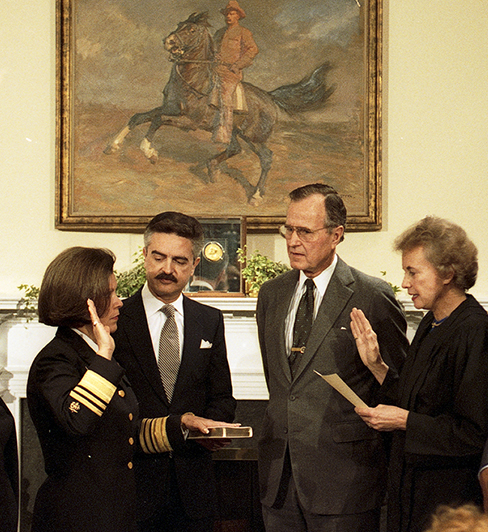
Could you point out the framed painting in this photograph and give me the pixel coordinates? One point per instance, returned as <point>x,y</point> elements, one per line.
<point>139,101</point>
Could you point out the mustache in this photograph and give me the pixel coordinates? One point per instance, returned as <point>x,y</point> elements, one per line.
<point>166,277</point>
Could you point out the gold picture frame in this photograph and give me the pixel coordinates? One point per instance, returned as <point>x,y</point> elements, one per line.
<point>111,63</point>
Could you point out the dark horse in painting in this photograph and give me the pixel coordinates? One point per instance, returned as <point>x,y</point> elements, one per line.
<point>186,101</point>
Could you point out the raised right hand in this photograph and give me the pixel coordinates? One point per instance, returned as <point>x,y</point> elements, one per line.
<point>367,344</point>
<point>103,339</point>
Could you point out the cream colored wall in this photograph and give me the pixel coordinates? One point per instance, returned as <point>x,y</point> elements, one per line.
<point>435,138</point>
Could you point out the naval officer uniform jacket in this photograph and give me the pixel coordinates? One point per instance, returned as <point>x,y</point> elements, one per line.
<point>87,419</point>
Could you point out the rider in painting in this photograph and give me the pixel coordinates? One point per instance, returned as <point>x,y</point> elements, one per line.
<point>235,50</point>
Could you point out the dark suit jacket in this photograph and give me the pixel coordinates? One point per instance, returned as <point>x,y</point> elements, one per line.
<point>9,471</point>
<point>338,462</point>
<point>88,457</point>
<point>203,387</point>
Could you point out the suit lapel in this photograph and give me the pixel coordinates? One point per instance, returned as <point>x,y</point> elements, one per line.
<point>193,335</point>
<point>137,331</point>
<point>335,299</point>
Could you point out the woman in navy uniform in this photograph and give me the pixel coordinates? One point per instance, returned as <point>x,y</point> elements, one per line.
<point>82,406</point>
<point>84,410</point>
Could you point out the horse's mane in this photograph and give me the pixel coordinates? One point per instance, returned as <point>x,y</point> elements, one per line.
<point>198,18</point>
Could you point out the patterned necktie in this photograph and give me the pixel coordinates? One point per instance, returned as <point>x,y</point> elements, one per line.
<point>303,325</point>
<point>169,351</point>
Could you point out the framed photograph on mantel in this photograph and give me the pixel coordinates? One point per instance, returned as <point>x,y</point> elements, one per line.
<point>218,272</point>
<point>145,124</point>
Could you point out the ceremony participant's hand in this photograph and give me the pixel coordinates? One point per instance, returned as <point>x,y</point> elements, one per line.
<point>103,339</point>
<point>191,422</point>
<point>384,418</point>
<point>367,344</point>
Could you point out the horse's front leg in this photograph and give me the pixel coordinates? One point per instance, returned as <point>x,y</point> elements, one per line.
<point>135,120</point>
<point>146,144</point>
<point>114,146</point>
<point>181,122</point>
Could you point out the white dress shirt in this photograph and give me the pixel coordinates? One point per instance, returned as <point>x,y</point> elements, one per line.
<point>87,339</point>
<point>321,283</point>
<point>156,318</point>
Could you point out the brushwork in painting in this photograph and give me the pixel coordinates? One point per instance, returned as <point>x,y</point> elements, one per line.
<point>146,122</point>
<point>191,84</point>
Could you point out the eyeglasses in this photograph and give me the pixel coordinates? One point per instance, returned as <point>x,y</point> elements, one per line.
<point>304,234</point>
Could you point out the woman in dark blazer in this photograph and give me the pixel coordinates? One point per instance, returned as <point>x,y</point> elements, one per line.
<point>84,410</point>
<point>438,408</point>
<point>9,471</point>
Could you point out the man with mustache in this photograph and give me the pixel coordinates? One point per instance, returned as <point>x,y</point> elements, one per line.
<point>173,350</point>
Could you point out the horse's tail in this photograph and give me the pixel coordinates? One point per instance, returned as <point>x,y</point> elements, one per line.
<point>307,95</point>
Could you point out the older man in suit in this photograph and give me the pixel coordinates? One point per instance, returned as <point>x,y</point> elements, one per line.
<point>320,467</point>
<point>173,350</point>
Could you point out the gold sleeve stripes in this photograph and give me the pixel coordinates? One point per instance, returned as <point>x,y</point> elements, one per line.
<point>153,437</point>
<point>94,392</point>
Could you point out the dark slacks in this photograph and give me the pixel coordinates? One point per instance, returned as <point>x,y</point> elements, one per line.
<point>288,515</point>
<point>173,518</point>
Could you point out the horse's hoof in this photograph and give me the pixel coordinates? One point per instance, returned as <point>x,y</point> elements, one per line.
<point>256,199</point>
<point>111,148</point>
<point>150,153</point>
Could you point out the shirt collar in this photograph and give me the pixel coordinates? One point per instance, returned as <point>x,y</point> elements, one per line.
<point>152,304</point>
<point>87,339</point>
<point>322,280</point>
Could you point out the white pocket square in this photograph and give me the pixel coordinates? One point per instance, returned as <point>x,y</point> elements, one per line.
<point>205,345</point>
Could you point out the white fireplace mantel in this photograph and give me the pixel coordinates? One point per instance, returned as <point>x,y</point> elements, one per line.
<point>21,340</point>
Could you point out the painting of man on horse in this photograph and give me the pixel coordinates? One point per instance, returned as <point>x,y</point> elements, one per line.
<point>190,102</point>
<point>141,96</point>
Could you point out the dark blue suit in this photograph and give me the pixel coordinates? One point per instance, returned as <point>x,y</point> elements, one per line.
<point>203,387</point>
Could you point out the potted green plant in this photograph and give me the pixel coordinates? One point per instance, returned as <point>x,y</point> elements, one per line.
<point>129,282</point>
<point>258,269</point>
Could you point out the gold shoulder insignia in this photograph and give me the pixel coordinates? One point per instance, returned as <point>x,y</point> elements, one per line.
<point>74,407</point>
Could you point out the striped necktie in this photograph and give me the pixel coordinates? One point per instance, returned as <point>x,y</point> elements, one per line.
<point>169,351</point>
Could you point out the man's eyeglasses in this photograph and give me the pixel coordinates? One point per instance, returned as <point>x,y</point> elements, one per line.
<point>304,234</point>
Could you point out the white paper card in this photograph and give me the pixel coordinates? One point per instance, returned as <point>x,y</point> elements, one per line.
<point>337,383</point>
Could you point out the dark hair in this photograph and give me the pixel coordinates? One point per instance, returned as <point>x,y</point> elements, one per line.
<point>446,246</point>
<point>179,224</point>
<point>334,206</point>
<point>75,275</point>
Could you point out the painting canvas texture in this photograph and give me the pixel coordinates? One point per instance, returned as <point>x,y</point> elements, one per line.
<point>119,66</point>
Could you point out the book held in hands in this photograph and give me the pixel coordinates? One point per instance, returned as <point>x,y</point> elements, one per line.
<point>222,432</point>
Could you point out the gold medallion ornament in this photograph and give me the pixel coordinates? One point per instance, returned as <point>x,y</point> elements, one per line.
<point>213,251</point>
